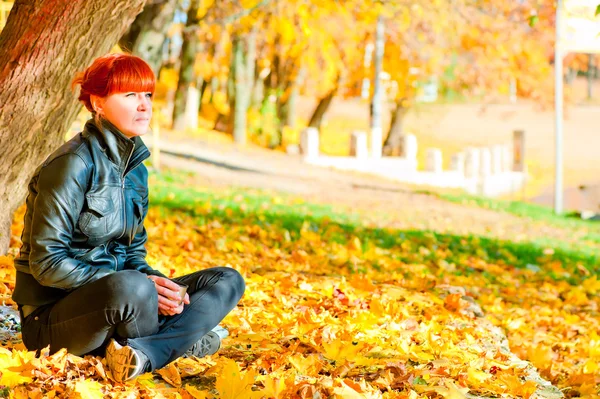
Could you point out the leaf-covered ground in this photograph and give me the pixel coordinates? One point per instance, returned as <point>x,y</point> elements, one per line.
<point>341,303</point>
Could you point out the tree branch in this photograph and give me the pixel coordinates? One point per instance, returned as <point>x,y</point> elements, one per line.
<point>230,18</point>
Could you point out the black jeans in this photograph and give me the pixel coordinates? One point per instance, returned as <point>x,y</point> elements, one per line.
<point>124,306</point>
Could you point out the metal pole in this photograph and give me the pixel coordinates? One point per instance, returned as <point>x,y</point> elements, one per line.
<point>378,94</point>
<point>558,112</point>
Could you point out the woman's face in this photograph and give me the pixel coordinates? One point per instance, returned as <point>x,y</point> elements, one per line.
<point>130,112</point>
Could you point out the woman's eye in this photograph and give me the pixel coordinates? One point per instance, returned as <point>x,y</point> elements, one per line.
<point>130,94</point>
<point>149,95</point>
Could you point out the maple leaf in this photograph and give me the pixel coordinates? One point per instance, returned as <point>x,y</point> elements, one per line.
<point>540,356</point>
<point>310,365</point>
<point>361,282</point>
<point>12,378</point>
<point>476,377</point>
<point>196,393</point>
<point>21,393</point>
<point>89,389</point>
<point>191,366</point>
<point>453,302</point>
<point>274,386</point>
<point>515,386</point>
<point>591,367</point>
<point>233,384</point>
<point>58,360</point>
<point>454,392</point>
<point>12,364</point>
<point>170,373</point>
<point>340,351</point>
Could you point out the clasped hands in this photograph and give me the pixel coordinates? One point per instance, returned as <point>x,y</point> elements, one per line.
<point>169,301</point>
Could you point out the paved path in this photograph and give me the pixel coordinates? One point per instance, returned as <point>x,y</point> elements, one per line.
<point>255,167</point>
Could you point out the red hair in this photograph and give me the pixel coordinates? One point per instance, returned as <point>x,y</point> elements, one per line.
<point>114,73</point>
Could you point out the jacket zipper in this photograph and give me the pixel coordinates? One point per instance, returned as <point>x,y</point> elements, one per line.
<point>123,192</point>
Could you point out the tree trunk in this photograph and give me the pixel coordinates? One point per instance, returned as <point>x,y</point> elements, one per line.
<point>230,84</point>
<point>290,107</point>
<point>148,32</point>
<point>287,109</point>
<point>244,61</point>
<point>317,117</point>
<point>250,65</point>
<point>240,86</point>
<point>214,87</point>
<point>258,94</point>
<point>203,88</point>
<point>590,76</point>
<point>40,52</point>
<point>186,69</point>
<point>393,142</point>
<point>271,81</point>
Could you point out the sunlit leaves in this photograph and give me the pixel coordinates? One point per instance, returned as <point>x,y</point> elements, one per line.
<point>88,389</point>
<point>232,383</point>
<point>343,308</point>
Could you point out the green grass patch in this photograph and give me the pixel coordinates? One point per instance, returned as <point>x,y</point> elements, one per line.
<point>519,208</point>
<point>283,212</point>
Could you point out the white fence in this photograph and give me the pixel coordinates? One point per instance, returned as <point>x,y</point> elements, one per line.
<point>488,171</point>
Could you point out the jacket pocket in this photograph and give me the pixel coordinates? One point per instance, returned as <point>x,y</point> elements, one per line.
<point>93,221</point>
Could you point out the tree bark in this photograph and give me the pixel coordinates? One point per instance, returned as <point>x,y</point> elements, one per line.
<point>148,32</point>
<point>239,85</point>
<point>317,117</point>
<point>186,69</point>
<point>203,88</point>
<point>244,60</point>
<point>287,108</point>
<point>258,94</point>
<point>393,142</point>
<point>42,46</point>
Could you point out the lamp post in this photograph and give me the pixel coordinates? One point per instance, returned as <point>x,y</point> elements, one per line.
<point>558,112</point>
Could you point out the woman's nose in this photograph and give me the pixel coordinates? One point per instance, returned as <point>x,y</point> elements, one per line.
<point>144,102</point>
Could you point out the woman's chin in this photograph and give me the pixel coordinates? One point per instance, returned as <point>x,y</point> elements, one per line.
<point>135,132</point>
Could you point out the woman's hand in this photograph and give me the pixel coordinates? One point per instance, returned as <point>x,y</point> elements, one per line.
<point>168,296</point>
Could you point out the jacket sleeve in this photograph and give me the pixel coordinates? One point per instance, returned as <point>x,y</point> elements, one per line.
<point>61,188</point>
<point>136,252</point>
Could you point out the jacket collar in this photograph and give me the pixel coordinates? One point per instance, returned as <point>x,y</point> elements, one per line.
<point>124,152</point>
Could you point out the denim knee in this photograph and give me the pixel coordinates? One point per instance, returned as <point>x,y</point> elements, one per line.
<point>233,278</point>
<point>130,287</point>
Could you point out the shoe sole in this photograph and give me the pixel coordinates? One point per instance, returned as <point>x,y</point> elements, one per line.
<point>121,361</point>
<point>221,332</point>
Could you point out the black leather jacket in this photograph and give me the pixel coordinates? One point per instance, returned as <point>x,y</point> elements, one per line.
<point>85,213</point>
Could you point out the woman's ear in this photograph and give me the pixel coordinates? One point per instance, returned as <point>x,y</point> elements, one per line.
<point>97,103</point>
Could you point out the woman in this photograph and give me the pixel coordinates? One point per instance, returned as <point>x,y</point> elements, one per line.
<point>82,279</point>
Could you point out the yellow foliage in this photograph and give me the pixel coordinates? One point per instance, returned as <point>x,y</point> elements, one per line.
<point>235,384</point>
<point>310,324</point>
<point>88,389</point>
<point>196,393</point>
<point>171,374</point>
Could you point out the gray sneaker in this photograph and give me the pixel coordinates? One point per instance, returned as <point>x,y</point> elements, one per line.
<point>124,362</point>
<point>209,344</point>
